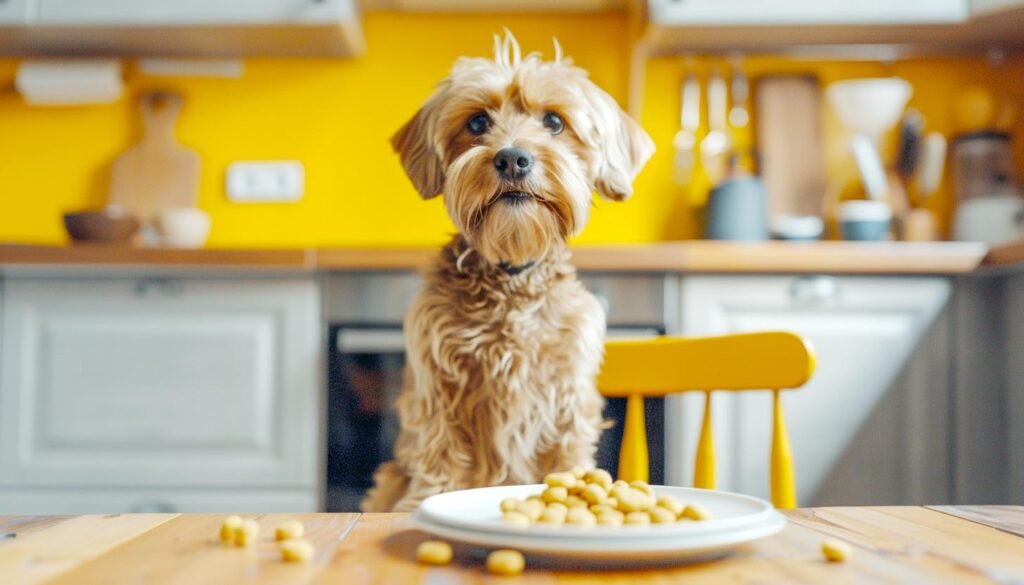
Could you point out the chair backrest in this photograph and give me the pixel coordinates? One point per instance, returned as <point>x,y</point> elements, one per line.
<point>773,361</point>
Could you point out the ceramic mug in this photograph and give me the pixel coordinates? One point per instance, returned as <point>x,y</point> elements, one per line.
<point>737,210</point>
<point>183,227</point>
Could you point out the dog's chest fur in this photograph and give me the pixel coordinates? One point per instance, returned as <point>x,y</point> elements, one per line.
<point>508,361</point>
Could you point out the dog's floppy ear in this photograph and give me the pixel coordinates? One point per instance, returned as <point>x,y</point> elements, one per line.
<point>414,145</point>
<point>623,147</point>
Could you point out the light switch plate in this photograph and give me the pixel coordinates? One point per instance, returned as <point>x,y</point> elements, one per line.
<point>270,181</point>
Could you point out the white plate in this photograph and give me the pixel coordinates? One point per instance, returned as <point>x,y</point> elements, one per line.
<point>474,517</point>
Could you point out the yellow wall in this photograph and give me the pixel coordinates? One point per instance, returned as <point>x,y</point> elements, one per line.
<point>337,115</point>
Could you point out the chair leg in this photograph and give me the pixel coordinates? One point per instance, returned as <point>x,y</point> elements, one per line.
<point>633,461</point>
<point>783,483</point>
<point>704,466</point>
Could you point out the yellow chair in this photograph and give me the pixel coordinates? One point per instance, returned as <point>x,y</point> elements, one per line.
<point>667,365</point>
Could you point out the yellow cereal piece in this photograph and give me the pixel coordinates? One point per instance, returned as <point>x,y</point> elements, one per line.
<point>618,483</point>
<point>580,517</point>
<point>594,494</point>
<point>558,507</point>
<point>631,500</point>
<point>228,528</point>
<point>835,551</point>
<point>532,508</point>
<point>610,518</point>
<point>515,518</point>
<point>577,472</point>
<point>434,552</point>
<point>552,517</point>
<point>661,515</point>
<point>247,533</point>
<point>296,550</point>
<point>289,530</point>
<point>535,497</point>
<point>642,486</point>
<point>696,512</point>
<point>638,518</point>
<point>671,504</point>
<point>510,504</point>
<point>506,562</point>
<point>598,508</point>
<point>555,494</point>
<point>574,501</point>
<point>563,479</point>
<point>600,477</point>
<point>611,503</point>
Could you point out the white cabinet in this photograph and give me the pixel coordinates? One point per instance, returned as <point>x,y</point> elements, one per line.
<point>805,12</point>
<point>187,28</point>
<point>863,330</point>
<point>162,12</point>
<point>16,12</point>
<point>169,383</point>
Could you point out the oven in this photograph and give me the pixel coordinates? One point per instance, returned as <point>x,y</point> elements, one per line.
<point>366,361</point>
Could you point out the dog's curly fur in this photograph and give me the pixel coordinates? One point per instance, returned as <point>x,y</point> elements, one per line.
<point>504,343</point>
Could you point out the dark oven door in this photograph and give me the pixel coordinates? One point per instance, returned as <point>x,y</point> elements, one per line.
<point>365,371</point>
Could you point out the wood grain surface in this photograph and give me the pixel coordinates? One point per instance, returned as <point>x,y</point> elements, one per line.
<point>944,544</point>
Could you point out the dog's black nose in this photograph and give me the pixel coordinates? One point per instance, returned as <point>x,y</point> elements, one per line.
<point>513,162</point>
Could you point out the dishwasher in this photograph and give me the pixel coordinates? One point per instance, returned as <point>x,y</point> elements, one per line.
<point>366,359</point>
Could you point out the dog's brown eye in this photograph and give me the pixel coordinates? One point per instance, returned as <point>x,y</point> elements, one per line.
<point>478,124</point>
<point>553,122</point>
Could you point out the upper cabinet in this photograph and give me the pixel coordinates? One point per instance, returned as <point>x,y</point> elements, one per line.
<point>228,28</point>
<point>720,25</point>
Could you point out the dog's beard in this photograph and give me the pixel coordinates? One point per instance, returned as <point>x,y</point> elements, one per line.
<point>515,223</point>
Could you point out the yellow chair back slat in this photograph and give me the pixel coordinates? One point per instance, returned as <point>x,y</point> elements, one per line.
<point>636,369</point>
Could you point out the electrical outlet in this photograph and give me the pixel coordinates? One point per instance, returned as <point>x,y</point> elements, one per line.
<point>273,181</point>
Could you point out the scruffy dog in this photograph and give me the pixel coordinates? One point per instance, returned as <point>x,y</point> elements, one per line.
<point>503,342</point>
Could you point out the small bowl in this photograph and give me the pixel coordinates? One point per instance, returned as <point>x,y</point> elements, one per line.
<point>183,227</point>
<point>797,228</point>
<point>862,220</point>
<point>101,225</point>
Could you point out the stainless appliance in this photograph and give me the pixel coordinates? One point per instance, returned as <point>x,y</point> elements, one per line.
<point>366,362</point>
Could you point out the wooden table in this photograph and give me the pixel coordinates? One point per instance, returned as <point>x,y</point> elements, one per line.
<point>963,544</point>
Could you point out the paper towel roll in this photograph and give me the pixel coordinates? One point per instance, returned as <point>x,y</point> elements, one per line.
<point>67,82</point>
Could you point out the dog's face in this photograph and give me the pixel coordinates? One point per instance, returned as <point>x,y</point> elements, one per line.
<point>517,146</point>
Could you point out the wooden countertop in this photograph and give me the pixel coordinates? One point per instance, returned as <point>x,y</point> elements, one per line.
<point>963,544</point>
<point>685,256</point>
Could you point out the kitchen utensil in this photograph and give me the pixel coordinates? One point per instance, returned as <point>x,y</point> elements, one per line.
<point>111,225</point>
<point>183,227</point>
<point>993,219</point>
<point>864,220</point>
<point>869,106</point>
<point>869,165</point>
<point>474,517</point>
<point>789,138</point>
<point>931,164</point>
<point>714,148</point>
<point>797,228</point>
<point>738,115</point>
<point>685,140</point>
<point>982,164</point>
<point>908,152</point>
<point>158,172</point>
<point>737,210</point>
<point>919,225</point>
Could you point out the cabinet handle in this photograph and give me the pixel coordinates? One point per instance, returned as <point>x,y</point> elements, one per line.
<point>159,286</point>
<point>813,289</point>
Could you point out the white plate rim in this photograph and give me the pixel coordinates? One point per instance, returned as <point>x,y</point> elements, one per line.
<point>688,529</point>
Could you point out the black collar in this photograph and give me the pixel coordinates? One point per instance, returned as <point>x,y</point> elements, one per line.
<point>514,270</point>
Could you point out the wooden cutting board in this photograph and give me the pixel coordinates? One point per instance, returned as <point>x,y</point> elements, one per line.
<point>789,136</point>
<point>156,173</point>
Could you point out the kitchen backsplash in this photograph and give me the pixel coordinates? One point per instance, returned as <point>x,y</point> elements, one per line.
<point>336,116</point>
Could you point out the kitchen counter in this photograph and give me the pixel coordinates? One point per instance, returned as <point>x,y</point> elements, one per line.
<point>694,256</point>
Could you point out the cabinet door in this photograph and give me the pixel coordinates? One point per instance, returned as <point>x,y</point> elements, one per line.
<point>190,12</point>
<point>150,501</point>
<point>16,12</point>
<point>159,383</point>
<point>805,12</point>
<point>863,330</point>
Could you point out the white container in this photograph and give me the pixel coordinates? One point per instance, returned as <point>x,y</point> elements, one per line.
<point>183,227</point>
<point>869,106</point>
<point>993,219</point>
<point>864,220</point>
